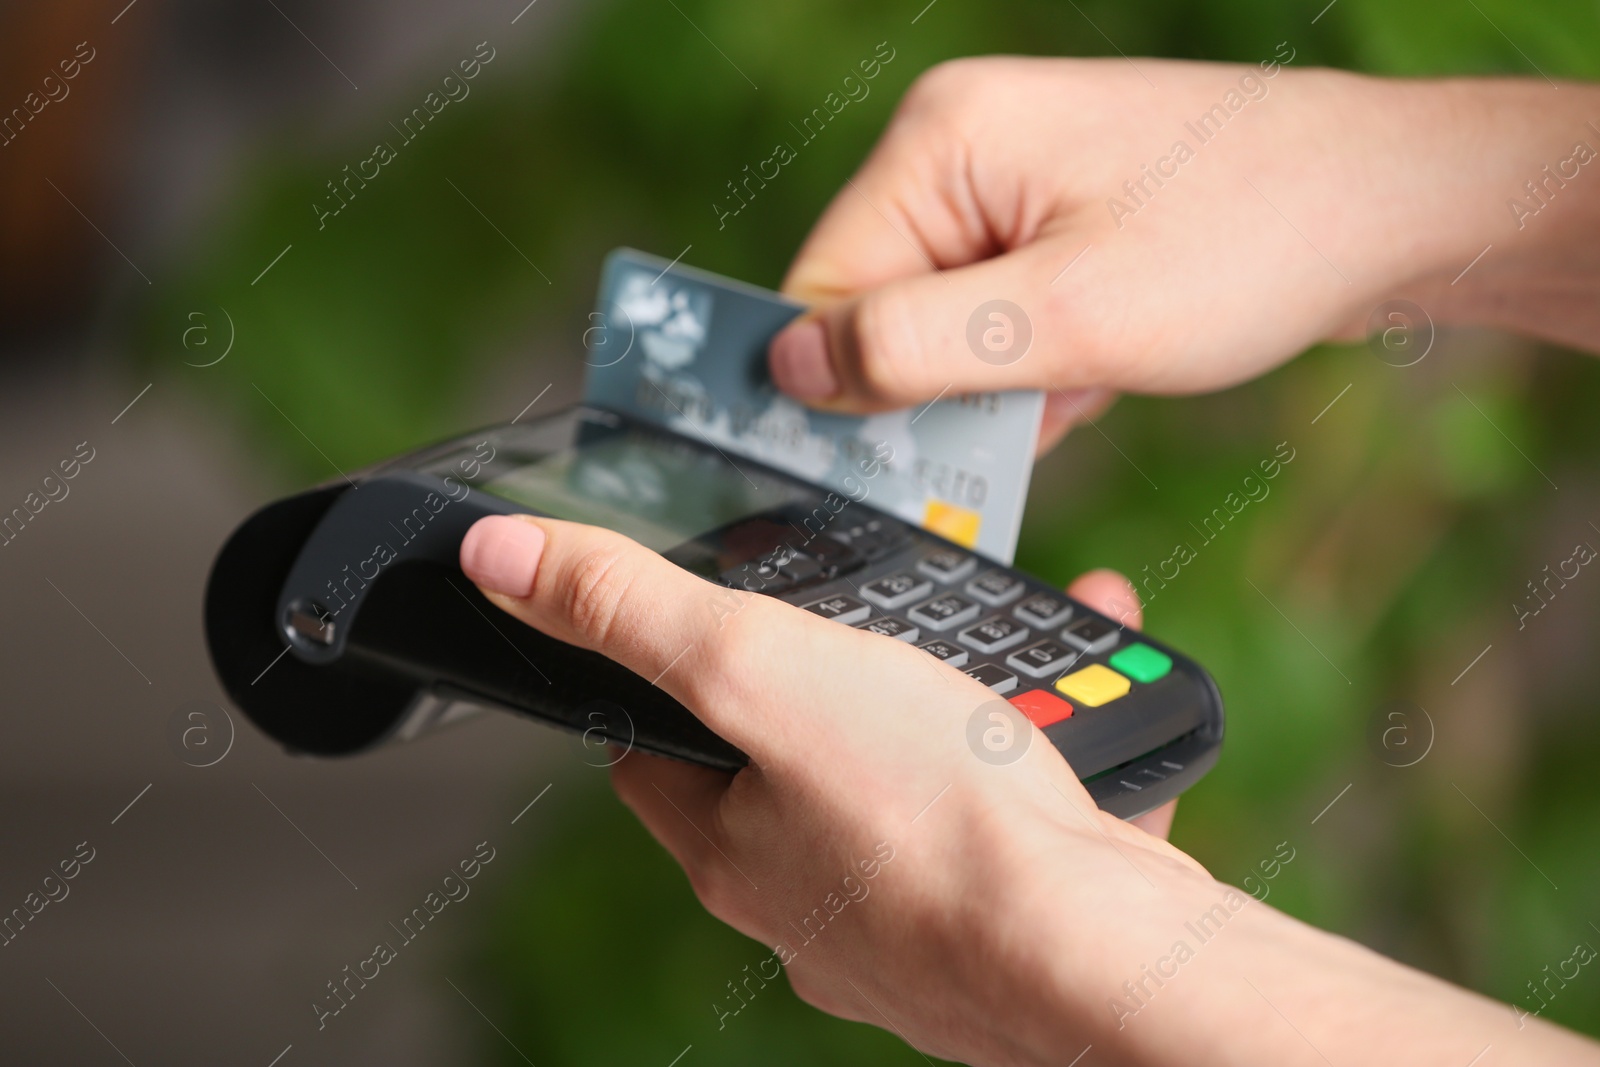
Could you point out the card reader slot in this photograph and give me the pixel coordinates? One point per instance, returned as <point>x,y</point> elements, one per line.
<point>1097,739</point>
<point>1144,784</point>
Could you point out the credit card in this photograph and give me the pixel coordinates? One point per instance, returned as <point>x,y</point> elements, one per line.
<point>687,349</point>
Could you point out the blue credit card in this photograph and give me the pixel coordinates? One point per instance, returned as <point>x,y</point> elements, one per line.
<point>687,349</point>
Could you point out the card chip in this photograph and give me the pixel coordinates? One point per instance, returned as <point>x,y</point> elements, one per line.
<point>958,524</point>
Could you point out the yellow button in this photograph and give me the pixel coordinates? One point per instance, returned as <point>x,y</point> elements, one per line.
<point>1094,685</point>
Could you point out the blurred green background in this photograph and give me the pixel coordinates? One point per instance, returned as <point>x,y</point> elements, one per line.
<point>1395,542</point>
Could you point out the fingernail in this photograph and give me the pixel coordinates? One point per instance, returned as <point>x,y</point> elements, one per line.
<point>800,363</point>
<point>501,554</point>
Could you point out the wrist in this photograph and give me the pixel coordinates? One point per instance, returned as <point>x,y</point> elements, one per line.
<point>1091,939</point>
<point>1241,982</point>
<point>1156,995</point>
<point>1495,224</point>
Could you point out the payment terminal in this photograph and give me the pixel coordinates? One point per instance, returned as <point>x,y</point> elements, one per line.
<point>339,619</point>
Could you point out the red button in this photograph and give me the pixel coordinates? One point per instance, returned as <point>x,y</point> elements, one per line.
<point>1042,708</point>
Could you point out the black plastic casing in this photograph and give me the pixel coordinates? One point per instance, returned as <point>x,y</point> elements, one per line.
<point>332,648</point>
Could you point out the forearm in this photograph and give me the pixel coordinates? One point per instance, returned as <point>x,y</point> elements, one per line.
<point>1238,982</point>
<point>1507,218</point>
<point>1482,203</point>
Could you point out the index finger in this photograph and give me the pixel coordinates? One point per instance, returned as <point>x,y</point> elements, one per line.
<point>900,215</point>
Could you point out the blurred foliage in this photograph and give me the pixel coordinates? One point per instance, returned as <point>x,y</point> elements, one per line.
<point>1384,560</point>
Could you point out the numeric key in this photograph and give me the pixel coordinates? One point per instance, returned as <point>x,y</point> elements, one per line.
<point>1042,658</point>
<point>947,565</point>
<point>994,634</point>
<point>1044,610</point>
<point>896,590</point>
<point>840,607</point>
<point>994,676</point>
<point>891,626</point>
<point>996,588</point>
<point>944,611</point>
<point>948,651</point>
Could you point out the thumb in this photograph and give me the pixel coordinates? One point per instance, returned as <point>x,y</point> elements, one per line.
<point>993,325</point>
<point>596,589</point>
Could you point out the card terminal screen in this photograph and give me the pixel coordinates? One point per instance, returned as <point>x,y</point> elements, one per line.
<point>659,494</point>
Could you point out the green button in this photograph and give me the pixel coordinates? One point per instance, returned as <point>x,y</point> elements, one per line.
<point>1142,663</point>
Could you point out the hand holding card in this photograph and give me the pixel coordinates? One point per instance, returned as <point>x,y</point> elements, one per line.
<point>686,349</point>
